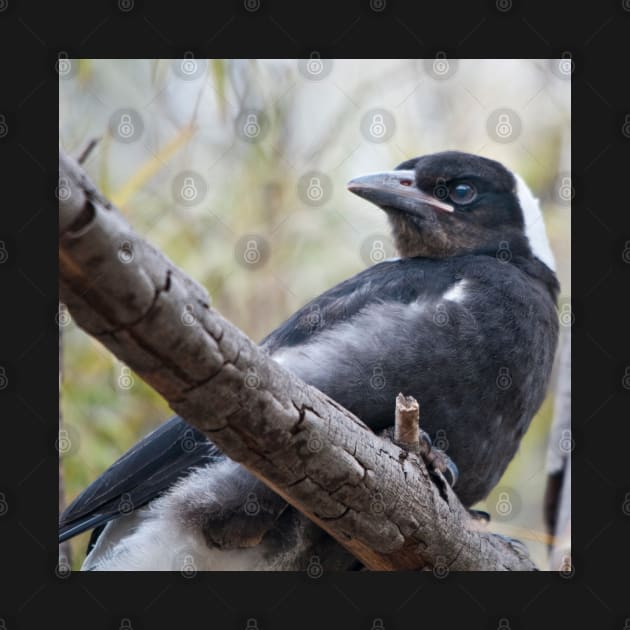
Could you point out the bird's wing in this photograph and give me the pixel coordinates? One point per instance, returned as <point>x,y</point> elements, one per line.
<point>400,280</point>
<point>149,468</point>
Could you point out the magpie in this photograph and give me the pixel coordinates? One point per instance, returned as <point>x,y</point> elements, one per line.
<point>464,320</point>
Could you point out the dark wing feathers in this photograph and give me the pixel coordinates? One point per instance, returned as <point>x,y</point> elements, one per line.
<point>400,280</point>
<point>144,472</point>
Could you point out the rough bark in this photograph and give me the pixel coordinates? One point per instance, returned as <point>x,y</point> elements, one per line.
<point>374,497</point>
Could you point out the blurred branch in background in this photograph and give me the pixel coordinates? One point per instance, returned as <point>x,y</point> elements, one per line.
<point>558,490</point>
<point>282,189</point>
<point>152,166</point>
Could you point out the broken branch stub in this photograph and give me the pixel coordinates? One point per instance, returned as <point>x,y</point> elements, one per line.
<point>407,423</point>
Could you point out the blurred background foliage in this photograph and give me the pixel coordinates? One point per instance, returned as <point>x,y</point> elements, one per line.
<point>190,124</point>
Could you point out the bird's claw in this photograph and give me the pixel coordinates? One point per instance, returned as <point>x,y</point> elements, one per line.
<point>438,460</point>
<point>452,472</point>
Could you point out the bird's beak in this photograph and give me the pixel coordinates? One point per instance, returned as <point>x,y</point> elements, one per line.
<point>397,190</point>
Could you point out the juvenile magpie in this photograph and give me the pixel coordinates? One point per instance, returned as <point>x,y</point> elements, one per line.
<point>464,320</point>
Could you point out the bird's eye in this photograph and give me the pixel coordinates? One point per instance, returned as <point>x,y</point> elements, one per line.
<point>462,193</point>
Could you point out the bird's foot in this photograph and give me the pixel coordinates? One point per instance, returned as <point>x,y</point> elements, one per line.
<point>235,530</point>
<point>238,529</point>
<point>438,460</point>
<point>242,520</point>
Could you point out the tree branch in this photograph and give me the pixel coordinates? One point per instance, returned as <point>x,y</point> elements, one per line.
<point>375,498</point>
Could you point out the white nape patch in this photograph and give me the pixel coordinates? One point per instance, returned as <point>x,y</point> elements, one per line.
<point>456,292</point>
<point>534,223</point>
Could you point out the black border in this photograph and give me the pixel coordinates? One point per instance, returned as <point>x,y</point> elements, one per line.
<point>595,595</point>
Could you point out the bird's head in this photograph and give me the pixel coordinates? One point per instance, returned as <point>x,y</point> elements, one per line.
<point>453,203</point>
